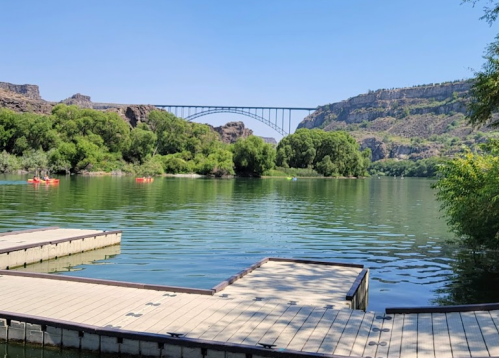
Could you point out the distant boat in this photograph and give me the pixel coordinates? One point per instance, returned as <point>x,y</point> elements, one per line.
<point>143,179</point>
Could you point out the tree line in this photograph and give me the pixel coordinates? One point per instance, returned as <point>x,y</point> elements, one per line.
<point>73,140</point>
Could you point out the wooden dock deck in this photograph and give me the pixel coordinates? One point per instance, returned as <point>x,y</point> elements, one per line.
<point>276,308</point>
<point>98,311</point>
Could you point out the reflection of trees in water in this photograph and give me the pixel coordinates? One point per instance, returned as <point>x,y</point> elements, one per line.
<point>475,279</point>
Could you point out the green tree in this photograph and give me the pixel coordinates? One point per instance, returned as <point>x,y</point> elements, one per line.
<point>468,191</point>
<point>142,144</point>
<point>252,156</point>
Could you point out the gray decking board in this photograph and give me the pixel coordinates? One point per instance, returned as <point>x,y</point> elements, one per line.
<point>474,336</point>
<point>345,344</point>
<point>334,333</point>
<point>253,321</point>
<point>362,339</point>
<point>410,336</point>
<point>302,335</point>
<point>317,337</point>
<point>426,348</point>
<point>385,336</point>
<point>395,343</point>
<point>458,341</point>
<point>489,332</point>
<point>441,338</point>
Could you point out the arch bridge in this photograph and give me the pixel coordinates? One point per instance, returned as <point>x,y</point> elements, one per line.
<point>278,118</point>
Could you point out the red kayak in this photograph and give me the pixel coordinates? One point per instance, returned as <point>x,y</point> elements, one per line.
<point>41,181</point>
<point>142,180</point>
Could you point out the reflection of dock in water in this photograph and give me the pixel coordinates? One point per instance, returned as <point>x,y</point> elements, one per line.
<point>69,263</point>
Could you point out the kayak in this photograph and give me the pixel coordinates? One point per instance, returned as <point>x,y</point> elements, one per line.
<point>40,181</point>
<point>144,179</point>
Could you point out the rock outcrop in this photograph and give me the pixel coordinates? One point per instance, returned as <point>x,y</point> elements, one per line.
<point>29,91</point>
<point>232,131</point>
<point>19,103</point>
<point>134,114</point>
<point>79,100</point>
<point>406,123</point>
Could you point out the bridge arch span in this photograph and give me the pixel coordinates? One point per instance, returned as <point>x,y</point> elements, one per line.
<point>239,111</point>
<point>277,118</point>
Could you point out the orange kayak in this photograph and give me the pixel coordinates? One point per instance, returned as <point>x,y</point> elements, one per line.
<point>144,179</point>
<point>40,181</point>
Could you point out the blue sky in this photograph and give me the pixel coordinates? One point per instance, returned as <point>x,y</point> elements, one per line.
<point>296,53</point>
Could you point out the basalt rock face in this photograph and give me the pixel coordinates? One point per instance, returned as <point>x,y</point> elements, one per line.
<point>79,100</point>
<point>134,114</point>
<point>29,91</point>
<point>232,131</point>
<point>406,123</point>
<point>19,103</point>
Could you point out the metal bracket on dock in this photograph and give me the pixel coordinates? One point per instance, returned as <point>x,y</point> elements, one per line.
<point>175,335</point>
<point>258,298</point>
<point>267,345</point>
<point>384,317</point>
<point>382,344</point>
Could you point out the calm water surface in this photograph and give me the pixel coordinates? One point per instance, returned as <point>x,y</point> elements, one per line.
<point>197,232</point>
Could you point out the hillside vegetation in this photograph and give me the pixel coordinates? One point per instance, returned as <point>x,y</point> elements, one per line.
<point>407,123</point>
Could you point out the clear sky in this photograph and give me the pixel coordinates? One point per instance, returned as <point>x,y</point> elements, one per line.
<point>292,53</point>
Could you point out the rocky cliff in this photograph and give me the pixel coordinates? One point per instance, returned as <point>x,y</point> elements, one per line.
<point>29,91</point>
<point>405,123</point>
<point>232,131</point>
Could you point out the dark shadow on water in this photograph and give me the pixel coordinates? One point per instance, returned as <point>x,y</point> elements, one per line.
<point>475,280</point>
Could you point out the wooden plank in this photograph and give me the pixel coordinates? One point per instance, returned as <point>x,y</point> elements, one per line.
<point>425,336</point>
<point>474,336</point>
<point>301,337</point>
<point>207,318</point>
<point>256,336</point>
<point>385,336</point>
<point>315,340</point>
<point>441,339</point>
<point>167,313</point>
<point>175,312</point>
<point>246,329</point>
<point>458,341</point>
<point>347,339</point>
<point>294,326</point>
<point>410,336</point>
<point>253,308</point>
<point>361,340</point>
<point>395,344</point>
<point>373,336</point>
<point>227,317</point>
<point>332,337</point>
<point>276,329</point>
<point>489,332</point>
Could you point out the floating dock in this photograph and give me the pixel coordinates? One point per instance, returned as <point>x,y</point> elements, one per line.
<point>21,248</point>
<point>275,308</point>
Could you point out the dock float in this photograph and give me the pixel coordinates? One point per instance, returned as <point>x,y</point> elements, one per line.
<point>21,248</point>
<point>281,308</point>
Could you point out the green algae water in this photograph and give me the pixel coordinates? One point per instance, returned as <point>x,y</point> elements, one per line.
<point>198,232</point>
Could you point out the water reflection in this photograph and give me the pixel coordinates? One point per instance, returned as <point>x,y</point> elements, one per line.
<point>475,279</point>
<point>74,262</point>
<point>14,350</point>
